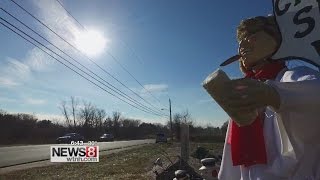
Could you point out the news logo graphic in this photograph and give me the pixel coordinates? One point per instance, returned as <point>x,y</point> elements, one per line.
<point>69,153</point>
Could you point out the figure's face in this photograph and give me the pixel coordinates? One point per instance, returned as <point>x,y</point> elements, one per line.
<point>255,48</point>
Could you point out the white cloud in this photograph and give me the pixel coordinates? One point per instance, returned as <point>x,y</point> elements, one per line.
<point>202,121</point>
<point>17,69</point>
<point>13,72</point>
<point>205,101</point>
<point>54,16</point>
<point>5,99</point>
<point>57,19</point>
<point>55,117</point>
<point>144,119</point>
<point>7,82</point>
<point>37,60</point>
<point>33,101</point>
<point>155,88</point>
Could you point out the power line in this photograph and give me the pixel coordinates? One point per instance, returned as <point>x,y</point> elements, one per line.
<point>69,13</point>
<point>136,102</point>
<point>126,45</point>
<point>70,67</point>
<point>81,51</point>
<point>132,51</point>
<point>71,64</point>
<point>115,59</point>
<point>77,49</point>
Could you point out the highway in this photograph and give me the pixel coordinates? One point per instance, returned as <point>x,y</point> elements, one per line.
<point>15,155</point>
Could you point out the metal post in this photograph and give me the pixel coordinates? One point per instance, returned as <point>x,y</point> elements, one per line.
<point>184,138</point>
<point>171,134</point>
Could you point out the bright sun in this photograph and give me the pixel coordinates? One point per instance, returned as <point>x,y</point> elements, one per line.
<point>91,42</point>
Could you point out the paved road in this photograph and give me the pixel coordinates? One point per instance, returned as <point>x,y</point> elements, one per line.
<point>23,154</point>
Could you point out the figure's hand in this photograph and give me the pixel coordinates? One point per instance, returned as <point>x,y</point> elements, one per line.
<point>246,95</point>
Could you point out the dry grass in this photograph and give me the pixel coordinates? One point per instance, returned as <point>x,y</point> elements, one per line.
<point>128,164</point>
<point>215,148</point>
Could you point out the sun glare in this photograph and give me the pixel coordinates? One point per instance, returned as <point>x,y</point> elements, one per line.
<point>91,42</point>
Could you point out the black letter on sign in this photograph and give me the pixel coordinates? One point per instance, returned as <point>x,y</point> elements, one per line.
<point>318,4</point>
<point>297,2</point>
<point>316,45</point>
<point>309,20</point>
<point>281,12</point>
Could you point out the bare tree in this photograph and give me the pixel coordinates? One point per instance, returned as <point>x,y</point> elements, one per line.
<point>136,123</point>
<point>86,114</point>
<point>224,128</point>
<point>3,112</point>
<point>176,124</point>
<point>74,106</point>
<point>126,122</point>
<point>178,119</point>
<point>116,122</point>
<point>108,124</point>
<point>186,118</point>
<point>100,114</point>
<point>64,110</point>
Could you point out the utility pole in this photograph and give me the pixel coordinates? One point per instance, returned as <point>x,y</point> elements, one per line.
<point>171,134</point>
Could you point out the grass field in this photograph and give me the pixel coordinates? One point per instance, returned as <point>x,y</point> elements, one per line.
<point>128,164</point>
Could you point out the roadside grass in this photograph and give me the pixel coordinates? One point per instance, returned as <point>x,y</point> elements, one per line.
<point>128,164</point>
<point>133,163</point>
<point>217,148</point>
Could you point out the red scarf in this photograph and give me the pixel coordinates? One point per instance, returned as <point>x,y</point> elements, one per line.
<point>247,142</point>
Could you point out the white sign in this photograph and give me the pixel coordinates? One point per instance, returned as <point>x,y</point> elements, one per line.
<point>299,24</point>
<point>74,153</point>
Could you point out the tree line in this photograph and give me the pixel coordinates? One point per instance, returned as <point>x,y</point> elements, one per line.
<point>197,133</point>
<point>28,129</point>
<point>91,121</point>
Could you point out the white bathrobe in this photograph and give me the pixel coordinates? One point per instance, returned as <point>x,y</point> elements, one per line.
<point>291,133</point>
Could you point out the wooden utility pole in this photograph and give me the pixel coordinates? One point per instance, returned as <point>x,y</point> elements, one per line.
<point>171,132</point>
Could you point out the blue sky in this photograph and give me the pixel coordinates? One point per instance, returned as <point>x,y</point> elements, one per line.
<point>169,46</point>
